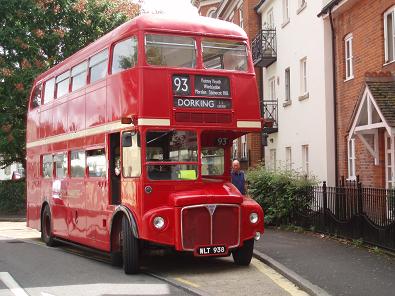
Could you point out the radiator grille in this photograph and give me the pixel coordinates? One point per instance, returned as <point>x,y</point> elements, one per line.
<point>200,228</point>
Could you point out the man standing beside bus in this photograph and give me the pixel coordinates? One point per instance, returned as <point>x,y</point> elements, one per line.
<point>238,178</point>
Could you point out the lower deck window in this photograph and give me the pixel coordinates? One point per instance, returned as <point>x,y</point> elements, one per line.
<point>96,162</point>
<point>173,172</point>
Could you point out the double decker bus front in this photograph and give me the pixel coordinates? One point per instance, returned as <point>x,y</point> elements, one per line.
<point>198,95</point>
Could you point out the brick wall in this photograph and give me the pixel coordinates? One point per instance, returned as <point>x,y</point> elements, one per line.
<point>365,21</point>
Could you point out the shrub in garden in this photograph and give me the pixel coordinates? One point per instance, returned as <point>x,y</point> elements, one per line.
<point>12,197</point>
<point>279,192</point>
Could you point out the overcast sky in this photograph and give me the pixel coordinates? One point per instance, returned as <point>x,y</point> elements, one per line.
<point>177,7</point>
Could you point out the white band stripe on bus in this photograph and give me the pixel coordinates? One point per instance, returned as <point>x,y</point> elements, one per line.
<point>113,126</point>
<point>249,124</point>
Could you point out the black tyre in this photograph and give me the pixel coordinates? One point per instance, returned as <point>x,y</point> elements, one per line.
<point>46,228</point>
<point>130,249</point>
<point>243,255</point>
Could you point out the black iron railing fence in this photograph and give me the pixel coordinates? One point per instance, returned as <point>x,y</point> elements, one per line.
<point>264,47</point>
<point>351,211</point>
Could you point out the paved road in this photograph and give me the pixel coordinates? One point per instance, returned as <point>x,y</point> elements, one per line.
<point>35,269</point>
<point>338,268</point>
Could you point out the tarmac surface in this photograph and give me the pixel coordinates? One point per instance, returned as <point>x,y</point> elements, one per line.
<point>337,266</point>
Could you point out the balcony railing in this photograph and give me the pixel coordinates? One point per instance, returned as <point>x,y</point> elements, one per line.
<point>270,115</point>
<point>264,48</point>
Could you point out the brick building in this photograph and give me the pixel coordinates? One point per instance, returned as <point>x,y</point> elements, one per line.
<point>247,149</point>
<point>364,40</point>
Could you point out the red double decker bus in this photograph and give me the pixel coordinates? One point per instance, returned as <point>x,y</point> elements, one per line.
<point>129,142</point>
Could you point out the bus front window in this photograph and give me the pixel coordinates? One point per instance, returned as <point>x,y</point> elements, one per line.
<point>224,54</point>
<point>212,161</point>
<point>172,155</point>
<point>170,51</point>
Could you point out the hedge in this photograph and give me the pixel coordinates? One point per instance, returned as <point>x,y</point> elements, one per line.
<point>279,192</point>
<point>13,197</point>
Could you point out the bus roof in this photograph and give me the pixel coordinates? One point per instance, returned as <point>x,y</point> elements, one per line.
<point>196,25</point>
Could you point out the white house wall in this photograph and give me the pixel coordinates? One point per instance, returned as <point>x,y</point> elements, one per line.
<point>310,121</point>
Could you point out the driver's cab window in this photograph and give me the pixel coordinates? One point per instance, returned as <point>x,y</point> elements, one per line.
<point>212,161</point>
<point>131,154</point>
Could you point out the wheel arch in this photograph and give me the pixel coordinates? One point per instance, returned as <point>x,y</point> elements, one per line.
<point>43,205</point>
<point>116,224</point>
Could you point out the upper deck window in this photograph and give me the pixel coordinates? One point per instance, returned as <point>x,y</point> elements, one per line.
<point>62,84</point>
<point>125,55</point>
<point>49,90</point>
<point>224,54</point>
<point>78,76</point>
<point>98,66</point>
<point>171,51</point>
<point>36,99</point>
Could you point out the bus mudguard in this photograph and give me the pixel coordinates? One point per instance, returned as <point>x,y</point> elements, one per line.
<point>128,213</point>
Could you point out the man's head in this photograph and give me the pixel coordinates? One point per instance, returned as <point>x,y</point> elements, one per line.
<point>236,165</point>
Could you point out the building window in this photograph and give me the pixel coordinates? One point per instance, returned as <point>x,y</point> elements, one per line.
<point>287,84</point>
<point>348,56</point>
<point>389,35</point>
<point>98,66</point>
<point>305,159</point>
<point>269,24</point>
<point>78,76</point>
<point>244,148</point>
<point>285,12</point>
<point>235,148</point>
<point>272,89</point>
<point>211,12</point>
<point>124,55</point>
<point>303,76</point>
<point>288,158</point>
<point>273,159</point>
<point>351,159</point>
<point>241,20</point>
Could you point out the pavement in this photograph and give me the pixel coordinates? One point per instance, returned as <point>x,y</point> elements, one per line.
<point>320,263</point>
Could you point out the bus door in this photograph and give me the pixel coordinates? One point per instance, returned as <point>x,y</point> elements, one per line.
<point>76,219</point>
<point>96,193</point>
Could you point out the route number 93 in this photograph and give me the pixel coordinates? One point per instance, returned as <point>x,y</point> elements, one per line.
<point>222,141</point>
<point>181,85</point>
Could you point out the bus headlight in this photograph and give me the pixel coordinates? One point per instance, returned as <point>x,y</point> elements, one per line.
<point>159,222</point>
<point>253,218</point>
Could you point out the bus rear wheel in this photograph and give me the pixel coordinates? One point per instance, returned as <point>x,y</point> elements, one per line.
<point>130,249</point>
<point>46,228</point>
<point>243,255</point>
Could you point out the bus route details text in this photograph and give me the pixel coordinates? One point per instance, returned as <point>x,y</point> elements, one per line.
<point>202,103</point>
<point>212,86</point>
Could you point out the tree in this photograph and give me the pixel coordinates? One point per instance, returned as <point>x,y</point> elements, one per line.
<point>34,36</point>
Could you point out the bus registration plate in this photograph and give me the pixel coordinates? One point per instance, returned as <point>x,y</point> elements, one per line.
<point>211,251</point>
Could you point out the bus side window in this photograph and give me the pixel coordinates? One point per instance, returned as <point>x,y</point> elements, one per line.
<point>47,166</point>
<point>98,66</point>
<point>131,154</point>
<point>61,165</point>
<point>77,164</point>
<point>36,99</point>
<point>96,162</point>
<point>49,90</point>
<point>78,76</point>
<point>124,55</point>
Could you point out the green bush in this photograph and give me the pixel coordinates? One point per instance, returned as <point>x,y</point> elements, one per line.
<point>12,197</point>
<point>279,192</point>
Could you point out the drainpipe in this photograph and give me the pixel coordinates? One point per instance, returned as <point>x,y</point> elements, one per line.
<point>334,94</point>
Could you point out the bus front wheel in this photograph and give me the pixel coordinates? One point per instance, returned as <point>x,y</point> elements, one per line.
<point>130,248</point>
<point>243,255</point>
<point>46,228</point>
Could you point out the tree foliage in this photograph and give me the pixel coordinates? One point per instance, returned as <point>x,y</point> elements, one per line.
<point>34,36</point>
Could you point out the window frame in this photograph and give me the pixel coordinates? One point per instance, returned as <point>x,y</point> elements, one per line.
<point>79,72</point>
<point>111,57</point>
<point>50,99</point>
<point>90,66</point>
<point>41,86</point>
<point>138,136</point>
<point>390,11</point>
<point>70,166</point>
<point>87,174</point>
<point>286,16</point>
<point>303,76</point>
<point>305,159</point>
<point>288,158</point>
<point>42,166</point>
<point>59,79</point>
<point>272,91</point>
<point>351,158</point>
<point>348,57</point>
<point>55,175</point>
<point>287,84</point>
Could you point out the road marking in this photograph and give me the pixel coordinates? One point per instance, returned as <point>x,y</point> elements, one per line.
<point>11,284</point>
<point>184,281</point>
<point>278,279</point>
